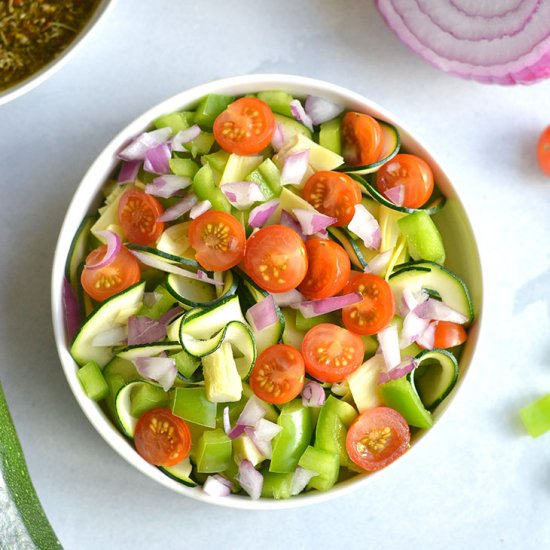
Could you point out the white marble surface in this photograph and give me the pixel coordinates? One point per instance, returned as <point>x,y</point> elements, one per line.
<point>478,480</point>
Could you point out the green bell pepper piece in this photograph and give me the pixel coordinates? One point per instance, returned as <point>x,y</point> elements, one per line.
<point>325,463</point>
<point>93,382</point>
<point>330,135</point>
<point>210,107</point>
<point>147,397</point>
<point>276,485</point>
<point>206,188</point>
<point>201,145</point>
<point>217,160</point>
<point>278,101</point>
<point>400,395</point>
<point>186,168</point>
<point>304,324</point>
<point>186,363</point>
<point>161,306</point>
<point>192,405</point>
<point>213,452</point>
<point>536,416</point>
<point>177,121</point>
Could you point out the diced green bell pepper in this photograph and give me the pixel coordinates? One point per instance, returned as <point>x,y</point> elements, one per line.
<point>210,107</point>
<point>330,135</point>
<point>147,397</point>
<point>278,101</point>
<point>277,485</point>
<point>217,160</point>
<point>201,145</point>
<point>290,443</point>
<point>177,121</point>
<point>536,416</point>
<point>304,324</point>
<point>268,177</point>
<point>164,303</point>
<point>92,380</point>
<point>423,238</point>
<point>213,452</point>
<point>205,187</point>
<point>400,395</point>
<point>185,168</point>
<point>325,463</point>
<point>186,363</point>
<point>191,404</point>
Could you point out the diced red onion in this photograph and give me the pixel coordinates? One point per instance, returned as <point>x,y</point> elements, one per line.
<point>426,338</point>
<point>413,329</point>
<point>179,209</point>
<point>137,149</point>
<point>144,330</point>
<point>71,310</point>
<point>290,298</point>
<point>253,411</point>
<point>262,434</point>
<point>411,300</point>
<point>396,194</point>
<point>157,159</point>
<point>215,487</point>
<point>300,114</point>
<point>114,244</point>
<point>311,222</point>
<point>167,186</point>
<point>313,394</point>
<point>200,208</point>
<point>226,421</point>
<point>406,366</point>
<point>366,227</point>
<point>312,308</point>
<point>295,168</point>
<point>439,311</point>
<point>261,213</point>
<point>185,136</point>
<point>129,171</point>
<point>289,221</point>
<point>160,369</point>
<point>169,316</point>
<point>111,337</point>
<point>379,263</point>
<point>506,42</point>
<point>320,109</point>
<point>250,479</point>
<point>278,139</point>
<point>262,314</point>
<point>300,479</point>
<point>242,194</point>
<point>163,265</point>
<point>389,344</point>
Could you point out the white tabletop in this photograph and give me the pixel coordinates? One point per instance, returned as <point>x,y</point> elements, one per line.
<point>477,480</point>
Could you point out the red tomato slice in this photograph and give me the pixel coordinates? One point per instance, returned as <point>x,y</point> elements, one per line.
<point>334,194</point>
<point>123,271</point>
<point>278,374</point>
<point>245,127</point>
<point>377,437</point>
<point>276,258</point>
<point>331,352</point>
<point>448,335</point>
<point>328,269</point>
<point>376,309</point>
<point>543,151</point>
<point>218,239</point>
<point>137,214</point>
<point>412,173</point>
<point>162,438</point>
<point>362,139</point>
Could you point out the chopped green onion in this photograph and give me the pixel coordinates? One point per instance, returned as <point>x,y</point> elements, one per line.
<point>536,416</point>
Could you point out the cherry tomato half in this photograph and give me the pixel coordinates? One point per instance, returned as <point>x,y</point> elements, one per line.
<point>137,213</point>
<point>328,269</point>
<point>377,437</point>
<point>334,194</point>
<point>123,271</point>
<point>331,352</point>
<point>543,151</point>
<point>276,258</point>
<point>410,172</point>
<point>162,438</point>
<point>448,335</point>
<point>245,127</point>
<point>278,374</point>
<point>218,239</point>
<point>376,309</point>
<point>362,139</point>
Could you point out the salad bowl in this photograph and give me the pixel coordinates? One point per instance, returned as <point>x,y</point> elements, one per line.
<point>452,222</point>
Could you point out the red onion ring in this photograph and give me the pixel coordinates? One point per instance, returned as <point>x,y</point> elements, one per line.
<point>114,244</point>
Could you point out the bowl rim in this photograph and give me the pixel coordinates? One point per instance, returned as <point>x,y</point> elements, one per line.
<point>35,79</point>
<point>88,189</point>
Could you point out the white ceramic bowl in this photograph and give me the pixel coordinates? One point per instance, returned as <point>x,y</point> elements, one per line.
<point>461,248</point>
<point>55,64</point>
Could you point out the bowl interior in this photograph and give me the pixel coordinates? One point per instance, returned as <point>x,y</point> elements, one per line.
<point>453,222</point>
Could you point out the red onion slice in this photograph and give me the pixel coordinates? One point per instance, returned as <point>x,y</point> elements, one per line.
<point>200,208</point>
<point>389,344</point>
<point>215,487</point>
<point>366,227</point>
<point>321,110</point>
<point>312,222</point>
<point>506,42</point>
<point>439,311</point>
<point>312,308</point>
<point>289,298</point>
<point>396,194</point>
<point>160,369</point>
<point>179,209</point>
<point>262,434</point>
<point>71,310</point>
<point>300,114</point>
<point>250,479</point>
<point>289,221</point>
<point>261,213</point>
<point>379,263</point>
<point>427,337</point>
<point>406,366</point>
<point>262,314</point>
<point>129,171</point>
<point>157,159</point>
<point>184,136</point>
<point>413,329</point>
<point>137,149</point>
<point>253,411</point>
<point>144,330</point>
<point>114,244</point>
<point>313,394</point>
<point>167,186</point>
<point>111,337</point>
<point>411,300</point>
<point>300,479</point>
<point>278,139</point>
<point>242,194</point>
<point>295,168</point>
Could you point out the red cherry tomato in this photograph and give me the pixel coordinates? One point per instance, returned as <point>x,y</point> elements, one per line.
<point>376,309</point>
<point>245,127</point>
<point>543,151</point>
<point>123,271</point>
<point>331,352</point>
<point>410,172</point>
<point>162,438</point>
<point>376,438</point>
<point>334,194</point>
<point>328,269</point>
<point>278,374</point>
<point>218,239</point>
<point>362,139</point>
<point>137,214</point>
<point>448,335</point>
<point>276,258</point>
